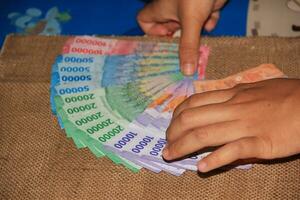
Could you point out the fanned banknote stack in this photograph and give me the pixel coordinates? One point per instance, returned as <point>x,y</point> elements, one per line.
<point>116,97</point>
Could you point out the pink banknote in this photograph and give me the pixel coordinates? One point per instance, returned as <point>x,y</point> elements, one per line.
<point>262,72</point>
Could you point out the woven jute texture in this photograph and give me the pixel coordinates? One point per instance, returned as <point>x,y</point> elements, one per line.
<point>37,161</point>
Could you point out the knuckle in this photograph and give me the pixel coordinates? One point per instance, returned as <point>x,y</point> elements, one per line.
<point>242,96</point>
<point>228,94</point>
<point>239,149</point>
<point>193,100</point>
<point>239,86</point>
<point>248,126</point>
<point>216,158</point>
<point>188,49</point>
<point>184,117</point>
<point>200,135</point>
<point>266,149</point>
<point>243,86</point>
<point>233,91</point>
<point>195,18</point>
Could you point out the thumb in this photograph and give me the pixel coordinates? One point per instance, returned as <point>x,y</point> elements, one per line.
<point>192,20</point>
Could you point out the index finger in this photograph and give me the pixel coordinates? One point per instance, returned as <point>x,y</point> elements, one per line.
<point>193,15</point>
<point>201,99</point>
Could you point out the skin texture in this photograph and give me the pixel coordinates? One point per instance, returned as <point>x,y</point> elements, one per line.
<point>258,120</point>
<point>164,17</point>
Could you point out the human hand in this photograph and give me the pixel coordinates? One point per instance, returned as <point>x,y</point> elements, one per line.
<point>257,120</point>
<point>164,17</point>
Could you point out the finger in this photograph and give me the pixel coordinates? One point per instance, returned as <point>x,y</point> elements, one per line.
<point>218,96</point>
<point>145,20</point>
<point>192,20</point>
<point>172,26</point>
<point>151,27</point>
<point>158,30</point>
<point>154,22</point>
<point>193,118</point>
<point>240,149</point>
<point>205,98</point>
<point>209,136</point>
<point>212,21</point>
<point>148,19</point>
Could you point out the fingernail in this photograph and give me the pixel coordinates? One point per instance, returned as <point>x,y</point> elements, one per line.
<point>202,166</point>
<point>188,69</point>
<point>170,34</point>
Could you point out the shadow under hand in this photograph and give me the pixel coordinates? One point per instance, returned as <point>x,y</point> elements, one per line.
<point>233,165</point>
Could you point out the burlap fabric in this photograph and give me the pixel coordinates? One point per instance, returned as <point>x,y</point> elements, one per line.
<point>37,161</point>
